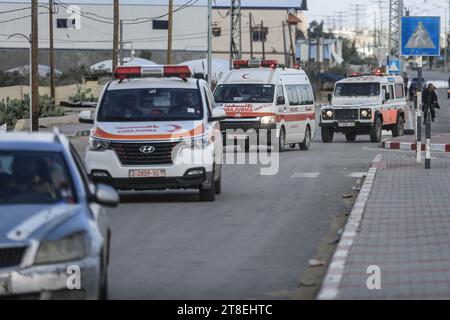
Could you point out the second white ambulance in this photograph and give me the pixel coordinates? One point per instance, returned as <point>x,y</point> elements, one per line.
<point>261,98</point>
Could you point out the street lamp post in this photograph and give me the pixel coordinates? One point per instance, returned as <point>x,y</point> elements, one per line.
<point>31,76</point>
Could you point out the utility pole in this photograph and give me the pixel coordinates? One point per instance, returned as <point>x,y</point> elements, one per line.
<point>169,33</point>
<point>291,45</point>
<point>210,72</point>
<point>262,36</point>
<point>395,18</point>
<point>380,15</point>
<point>235,34</point>
<point>251,34</point>
<point>34,99</point>
<point>121,42</point>
<point>357,10</point>
<point>115,35</point>
<point>340,18</point>
<point>286,58</point>
<point>52,50</point>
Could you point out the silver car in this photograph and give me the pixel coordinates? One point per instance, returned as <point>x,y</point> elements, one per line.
<point>54,231</point>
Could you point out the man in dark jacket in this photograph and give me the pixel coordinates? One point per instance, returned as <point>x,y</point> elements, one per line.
<point>429,102</point>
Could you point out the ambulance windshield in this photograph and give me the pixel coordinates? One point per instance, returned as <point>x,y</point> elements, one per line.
<point>357,89</point>
<point>153,104</point>
<point>235,93</point>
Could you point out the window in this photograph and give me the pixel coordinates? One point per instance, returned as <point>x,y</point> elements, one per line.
<point>160,24</point>
<point>65,23</point>
<point>260,33</point>
<point>35,177</point>
<point>364,89</point>
<point>391,92</point>
<point>280,91</point>
<point>256,93</point>
<point>307,94</point>
<point>151,104</point>
<point>399,92</point>
<point>292,95</point>
<point>300,94</point>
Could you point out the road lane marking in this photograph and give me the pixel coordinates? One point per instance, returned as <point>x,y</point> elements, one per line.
<point>306,175</point>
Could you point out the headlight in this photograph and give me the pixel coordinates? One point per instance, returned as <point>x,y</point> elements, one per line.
<point>366,113</point>
<point>98,144</point>
<point>327,114</point>
<point>197,142</point>
<point>70,248</point>
<point>267,119</point>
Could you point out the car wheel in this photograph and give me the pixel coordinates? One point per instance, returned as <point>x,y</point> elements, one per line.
<point>218,184</point>
<point>208,194</point>
<point>350,136</point>
<point>282,140</point>
<point>375,130</point>
<point>399,128</point>
<point>327,134</point>
<point>304,145</point>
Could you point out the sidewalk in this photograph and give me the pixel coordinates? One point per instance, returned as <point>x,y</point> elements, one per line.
<point>439,142</point>
<point>401,223</point>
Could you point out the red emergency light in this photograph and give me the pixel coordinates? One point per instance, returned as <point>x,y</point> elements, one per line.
<point>122,73</point>
<point>237,64</point>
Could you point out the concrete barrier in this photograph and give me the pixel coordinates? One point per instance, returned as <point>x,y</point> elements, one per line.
<point>24,124</point>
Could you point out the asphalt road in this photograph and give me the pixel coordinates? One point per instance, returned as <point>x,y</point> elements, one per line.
<point>253,242</point>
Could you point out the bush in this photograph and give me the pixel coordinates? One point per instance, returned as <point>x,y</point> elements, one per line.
<point>83,95</point>
<point>12,110</point>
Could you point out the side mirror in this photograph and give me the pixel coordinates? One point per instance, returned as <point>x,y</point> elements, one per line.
<point>330,96</point>
<point>106,195</point>
<point>218,114</point>
<point>281,100</point>
<point>86,117</point>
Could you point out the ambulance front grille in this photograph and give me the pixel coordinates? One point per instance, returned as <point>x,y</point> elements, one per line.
<point>130,153</point>
<point>346,114</point>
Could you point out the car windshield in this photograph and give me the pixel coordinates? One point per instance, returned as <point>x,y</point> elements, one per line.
<point>232,93</point>
<point>152,104</point>
<point>363,89</point>
<point>34,177</point>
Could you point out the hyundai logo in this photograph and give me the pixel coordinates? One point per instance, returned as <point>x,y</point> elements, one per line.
<point>147,149</point>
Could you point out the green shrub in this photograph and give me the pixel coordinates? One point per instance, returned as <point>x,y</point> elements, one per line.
<point>83,95</point>
<point>12,110</point>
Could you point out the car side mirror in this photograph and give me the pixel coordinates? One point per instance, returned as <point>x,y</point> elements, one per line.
<point>281,100</point>
<point>218,114</point>
<point>330,96</point>
<point>106,195</point>
<point>86,117</point>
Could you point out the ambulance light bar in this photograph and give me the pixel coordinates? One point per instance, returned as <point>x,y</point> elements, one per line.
<point>182,72</point>
<point>256,63</point>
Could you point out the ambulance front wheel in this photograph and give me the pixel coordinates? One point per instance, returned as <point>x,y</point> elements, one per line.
<point>304,145</point>
<point>376,130</point>
<point>327,134</point>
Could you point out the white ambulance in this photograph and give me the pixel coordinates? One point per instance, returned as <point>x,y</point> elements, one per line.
<point>157,128</point>
<point>262,99</point>
<point>365,105</point>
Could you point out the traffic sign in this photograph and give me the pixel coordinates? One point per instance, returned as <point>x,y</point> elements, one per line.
<point>394,67</point>
<point>420,36</point>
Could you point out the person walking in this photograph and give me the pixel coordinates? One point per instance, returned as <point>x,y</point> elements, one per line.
<point>430,102</point>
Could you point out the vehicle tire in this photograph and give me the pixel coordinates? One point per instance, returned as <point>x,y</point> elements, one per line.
<point>103,292</point>
<point>350,136</point>
<point>208,194</point>
<point>282,140</point>
<point>327,134</point>
<point>218,184</point>
<point>375,130</point>
<point>399,128</point>
<point>304,145</point>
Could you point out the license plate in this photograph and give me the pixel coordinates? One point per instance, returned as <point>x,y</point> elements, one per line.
<point>236,136</point>
<point>5,285</point>
<point>147,173</point>
<point>346,124</point>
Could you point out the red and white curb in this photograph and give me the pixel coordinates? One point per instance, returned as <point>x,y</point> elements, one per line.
<point>335,272</point>
<point>436,147</point>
